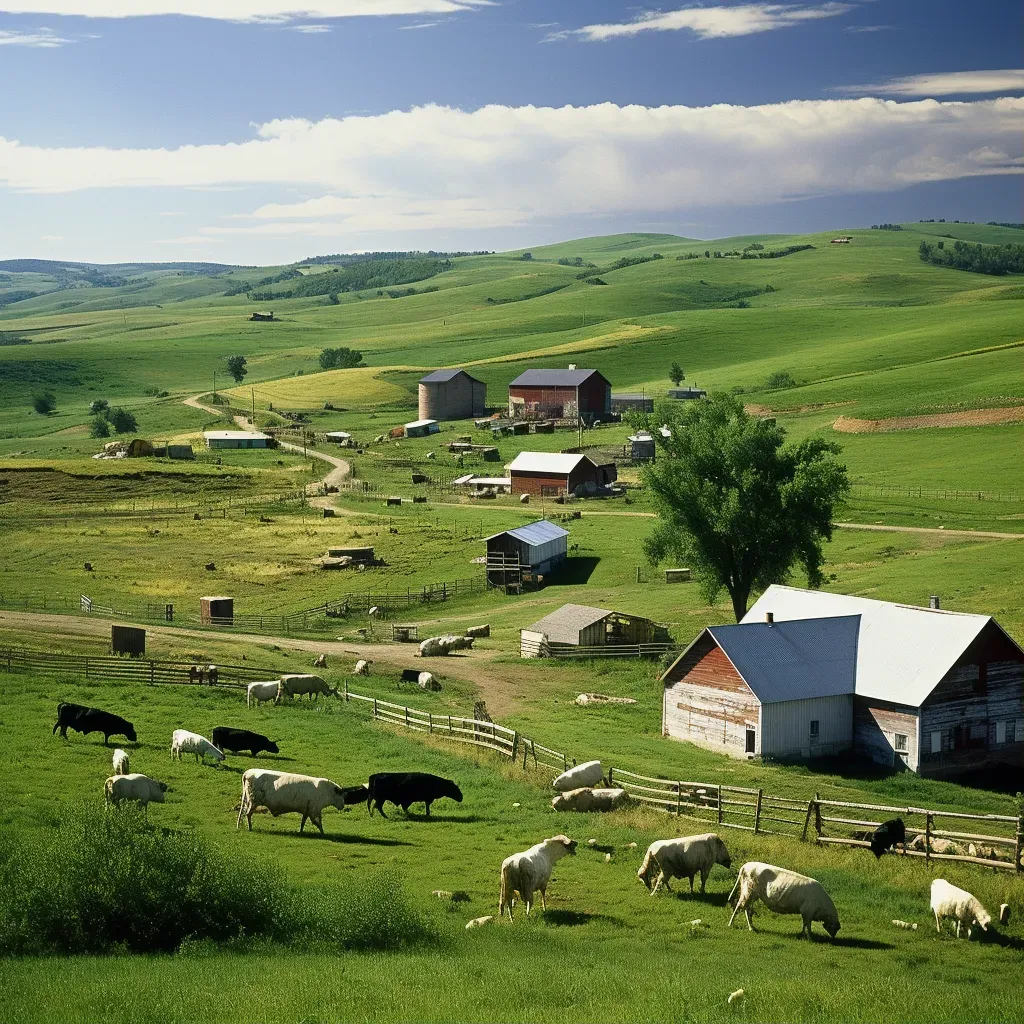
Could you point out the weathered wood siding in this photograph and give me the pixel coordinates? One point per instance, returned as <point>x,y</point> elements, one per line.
<point>876,724</point>
<point>456,399</point>
<point>975,716</point>
<point>707,702</point>
<point>786,728</point>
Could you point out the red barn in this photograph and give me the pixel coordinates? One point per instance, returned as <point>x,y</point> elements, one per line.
<point>560,394</point>
<point>549,474</point>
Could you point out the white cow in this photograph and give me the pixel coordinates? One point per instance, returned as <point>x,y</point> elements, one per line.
<point>259,693</point>
<point>185,742</point>
<point>530,871</point>
<point>362,668</point>
<point>296,685</point>
<point>590,800</point>
<point>120,761</point>
<point>949,901</point>
<point>587,774</point>
<point>284,793</point>
<point>685,857</point>
<point>426,681</point>
<point>784,892</point>
<point>140,789</point>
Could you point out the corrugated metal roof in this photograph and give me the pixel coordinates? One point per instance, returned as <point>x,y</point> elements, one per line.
<point>563,626</point>
<point>441,376</point>
<point>420,423</point>
<point>552,378</point>
<point>343,434</point>
<point>235,435</point>
<point>903,651</point>
<point>545,462</point>
<point>793,660</point>
<point>540,532</point>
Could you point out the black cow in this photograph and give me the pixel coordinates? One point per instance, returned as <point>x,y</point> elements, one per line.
<point>235,740</point>
<point>887,835</point>
<point>405,788</point>
<point>86,720</point>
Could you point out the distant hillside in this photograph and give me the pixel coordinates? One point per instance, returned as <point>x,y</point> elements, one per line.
<point>63,267</point>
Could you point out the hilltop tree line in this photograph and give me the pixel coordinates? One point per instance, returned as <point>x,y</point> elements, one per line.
<point>979,259</point>
<point>886,227</point>
<point>369,274</point>
<point>345,259</point>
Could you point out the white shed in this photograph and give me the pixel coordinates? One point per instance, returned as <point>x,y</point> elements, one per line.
<point>236,439</point>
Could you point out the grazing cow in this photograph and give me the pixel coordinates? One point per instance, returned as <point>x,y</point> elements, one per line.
<point>86,720</point>
<point>120,761</point>
<point>185,742</point>
<point>784,892</point>
<point>259,693</point>
<point>362,667</point>
<point>320,661</point>
<point>405,788</point>
<point>285,793</point>
<point>682,858</point>
<point>530,871</point>
<point>949,901</point>
<point>887,835</point>
<point>140,789</point>
<point>590,800</point>
<point>587,774</point>
<point>426,681</point>
<point>234,740</point>
<point>296,685</point>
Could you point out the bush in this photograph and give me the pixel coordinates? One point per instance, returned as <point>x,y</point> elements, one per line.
<point>339,358</point>
<point>99,406</point>
<point>99,427</point>
<point>104,882</point>
<point>780,379</point>
<point>123,421</point>
<point>44,403</point>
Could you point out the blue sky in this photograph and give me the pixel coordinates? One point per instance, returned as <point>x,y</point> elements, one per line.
<point>241,131</point>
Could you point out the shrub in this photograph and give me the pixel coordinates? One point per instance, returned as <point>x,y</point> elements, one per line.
<point>99,427</point>
<point>123,421</point>
<point>104,882</point>
<point>339,358</point>
<point>44,402</point>
<point>780,379</point>
<point>99,406</point>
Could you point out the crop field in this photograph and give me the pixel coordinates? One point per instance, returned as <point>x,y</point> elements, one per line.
<point>852,344</point>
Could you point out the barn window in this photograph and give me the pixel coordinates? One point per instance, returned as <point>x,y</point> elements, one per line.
<point>814,729</point>
<point>978,735</point>
<point>902,744</point>
<point>1019,732</point>
<point>936,742</point>
<point>549,490</point>
<point>751,741</point>
<point>1000,732</point>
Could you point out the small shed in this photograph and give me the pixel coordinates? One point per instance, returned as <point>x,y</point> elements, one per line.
<point>421,428</point>
<point>451,395</point>
<point>537,548</point>
<point>576,626</point>
<point>217,611</point>
<point>265,316</point>
<point>686,394</point>
<point>641,447</point>
<point>237,439</point>
<point>629,401</point>
<point>342,437</point>
<point>550,474</point>
<point>781,690</point>
<point>129,640</point>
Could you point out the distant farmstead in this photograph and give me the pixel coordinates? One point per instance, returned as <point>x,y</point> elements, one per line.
<point>686,394</point>
<point>576,626</point>
<point>420,428</point>
<point>560,394</point>
<point>553,474</point>
<point>451,395</point>
<point>237,439</point>
<point>536,549</point>
<point>262,317</point>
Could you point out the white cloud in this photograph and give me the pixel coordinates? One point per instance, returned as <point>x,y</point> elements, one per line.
<point>857,29</point>
<point>309,29</point>
<point>40,39</point>
<point>949,83</point>
<point>710,22</point>
<point>421,24</point>
<point>434,168</point>
<point>239,10</point>
<point>51,238</point>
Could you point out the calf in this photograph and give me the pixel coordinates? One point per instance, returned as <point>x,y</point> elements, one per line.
<point>120,762</point>
<point>530,871</point>
<point>405,788</point>
<point>234,740</point>
<point>86,720</point>
<point>887,835</point>
<point>185,742</point>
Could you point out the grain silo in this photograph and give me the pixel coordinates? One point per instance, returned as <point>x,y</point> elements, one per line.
<point>451,395</point>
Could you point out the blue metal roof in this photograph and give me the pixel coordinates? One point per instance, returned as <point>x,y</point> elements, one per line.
<point>793,660</point>
<point>552,378</point>
<point>441,376</point>
<point>537,533</point>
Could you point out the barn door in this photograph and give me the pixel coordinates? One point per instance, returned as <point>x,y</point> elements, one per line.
<point>751,741</point>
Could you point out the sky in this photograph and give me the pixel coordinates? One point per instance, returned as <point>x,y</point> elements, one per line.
<point>265,131</point>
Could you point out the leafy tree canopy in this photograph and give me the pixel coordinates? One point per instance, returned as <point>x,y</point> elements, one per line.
<point>736,503</point>
<point>237,367</point>
<point>339,358</point>
<point>123,421</point>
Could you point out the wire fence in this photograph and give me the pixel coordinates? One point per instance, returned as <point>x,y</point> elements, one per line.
<point>932,493</point>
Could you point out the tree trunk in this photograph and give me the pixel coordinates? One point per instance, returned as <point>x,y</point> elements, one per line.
<point>739,597</point>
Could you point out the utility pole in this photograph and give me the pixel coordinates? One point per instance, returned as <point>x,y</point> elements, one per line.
<point>215,386</point>
<point>253,421</point>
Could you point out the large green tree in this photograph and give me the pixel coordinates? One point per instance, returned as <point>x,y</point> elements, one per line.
<point>738,504</point>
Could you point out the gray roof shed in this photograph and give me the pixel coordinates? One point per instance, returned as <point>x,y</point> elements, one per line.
<point>565,625</point>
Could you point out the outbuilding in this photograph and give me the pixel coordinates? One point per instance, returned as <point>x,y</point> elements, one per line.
<point>577,626</point>
<point>451,395</point>
<point>551,474</point>
<point>641,447</point>
<point>420,428</point>
<point>537,548</point>
<point>780,690</point>
<point>560,394</point>
<point>686,394</point>
<point>236,439</point>
<point>342,437</point>
<point>626,401</point>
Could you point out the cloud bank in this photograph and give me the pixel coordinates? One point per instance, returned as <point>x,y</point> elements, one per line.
<point>40,39</point>
<point>437,167</point>
<point>949,83</point>
<point>710,22</point>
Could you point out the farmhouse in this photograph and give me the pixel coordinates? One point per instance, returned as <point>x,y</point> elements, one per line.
<point>236,439</point>
<point>551,474</point>
<point>560,394</point>
<point>451,395</point>
<point>939,693</point>
<point>576,626</point>
<point>779,690</point>
<point>537,549</point>
<point>420,428</point>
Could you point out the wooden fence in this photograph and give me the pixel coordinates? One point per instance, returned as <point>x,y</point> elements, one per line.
<point>541,649</point>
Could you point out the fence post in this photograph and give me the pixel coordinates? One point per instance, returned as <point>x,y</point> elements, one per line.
<point>346,691</point>
<point>817,813</point>
<point>430,723</point>
<point>927,838</point>
<point>407,716</point>
<point>719,803</point>
<point>807,820</point>
<point>1016,852</point>
<point>757,811</point>
<point>87,668</point>
<point>374,707</point>
<point>515,746</point>
<point>679,798</point>
<point>152,673</point>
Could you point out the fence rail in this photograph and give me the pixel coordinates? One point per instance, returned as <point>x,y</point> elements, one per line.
<point>541,649</point>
